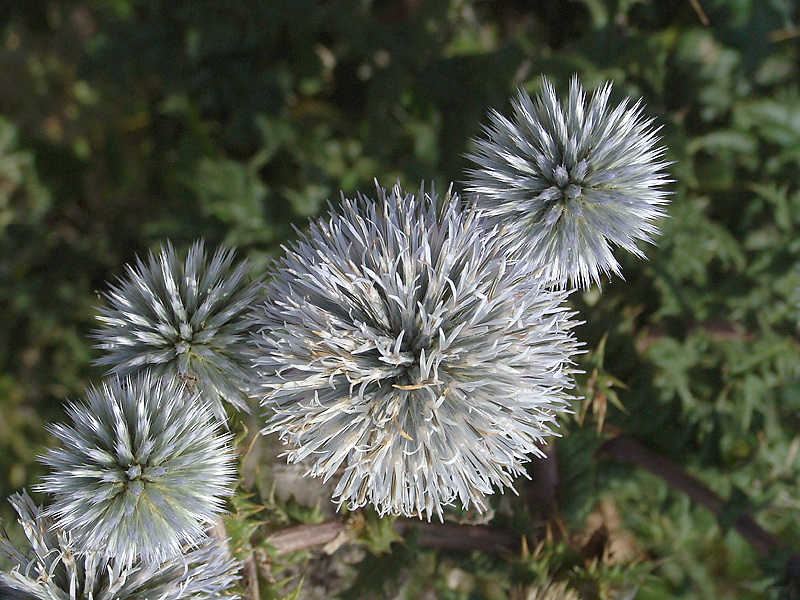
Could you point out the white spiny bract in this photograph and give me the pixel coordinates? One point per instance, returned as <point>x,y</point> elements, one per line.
<point>52,568</point>
<point>568,182</point>
<point>142,469</point>
<point>183,319</point>
<point>401,350</point>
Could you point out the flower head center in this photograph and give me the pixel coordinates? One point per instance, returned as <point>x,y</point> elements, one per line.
<point>140,475</point>
<point>410,361</point>
<point>565,193</point>
<point>134,472</point>
<point>566,182</point>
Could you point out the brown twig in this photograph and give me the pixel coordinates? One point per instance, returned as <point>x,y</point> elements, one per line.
<point>700,12</point>
<point>304,537</point>
<point>544,471</point>
<point>452,536</point>
<point>624,448</point>
<point>445,536</point>
<point>716,330</point>
<point>251,573</point>
<point>781,35</point>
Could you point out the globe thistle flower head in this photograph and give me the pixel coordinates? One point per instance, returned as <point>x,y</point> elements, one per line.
<point>140,471</point>
<point>186,319</point>
<point>402,350</point>
<point>571,180</point>
<point>51,568</point>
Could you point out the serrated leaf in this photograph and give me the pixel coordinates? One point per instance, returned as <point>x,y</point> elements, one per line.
<point>240,526</point>
<point>244,507</point>
<point>378,533</point>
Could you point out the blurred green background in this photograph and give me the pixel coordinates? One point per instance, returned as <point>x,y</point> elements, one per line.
<point>124,123</point>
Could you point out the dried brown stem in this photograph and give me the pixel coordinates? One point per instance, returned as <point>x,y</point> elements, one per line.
<point>304,537</point>
<point>716,330</point>
<point>700,12</point>
<point>251,574</point>
<point>781,35</point>
<point>446,536</point>
<point>624,448</point>
<point>544,471</point>
<point>452,536</point>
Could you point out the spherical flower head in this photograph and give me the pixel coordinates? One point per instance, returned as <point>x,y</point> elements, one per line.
<point>141,470</point>
<point>51,568</point>
<point>186,319</point>
<point>400,345</point>
<point>570,181</point>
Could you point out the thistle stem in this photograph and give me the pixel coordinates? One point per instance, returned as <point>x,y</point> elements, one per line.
<point>715,329</point>
<point>305,537</point>
<point>445,536</point>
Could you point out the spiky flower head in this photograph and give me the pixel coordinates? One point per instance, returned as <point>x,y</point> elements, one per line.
<point>570,181</point>
<point>52,568</point>
<point>401,345</point>
<point>140,471</point>
<point>186,319</point>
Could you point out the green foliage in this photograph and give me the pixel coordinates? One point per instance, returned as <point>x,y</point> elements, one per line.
<point>23,199</point>
<point>240,524</point>
<point>383,573</point>
<point>377,534</point>
<point>129,121</point>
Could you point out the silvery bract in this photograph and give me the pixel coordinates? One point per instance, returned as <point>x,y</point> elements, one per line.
<point>141,470</point>
<point>402,350</point>
<point>571,181</point>
<point>51,568</point>
<point>186,319</point>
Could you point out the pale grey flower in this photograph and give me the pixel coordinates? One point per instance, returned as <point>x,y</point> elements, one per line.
<point>568,182</point>
<point>186,319</point>
<point>401,346</point>
<point>52,568</point>
<point>141,470</point>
